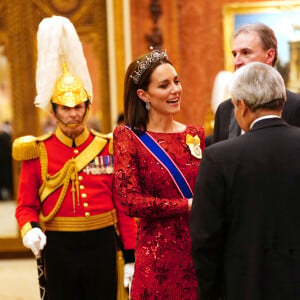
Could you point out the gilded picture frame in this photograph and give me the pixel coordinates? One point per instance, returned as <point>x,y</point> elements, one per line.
<point>282,16</point>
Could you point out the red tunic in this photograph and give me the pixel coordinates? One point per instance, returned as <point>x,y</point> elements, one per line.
<point>163,262</point>
<point>96,195</point>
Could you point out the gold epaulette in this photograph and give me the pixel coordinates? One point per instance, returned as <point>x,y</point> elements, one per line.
<point>108,136</point>
<point>26,147</point>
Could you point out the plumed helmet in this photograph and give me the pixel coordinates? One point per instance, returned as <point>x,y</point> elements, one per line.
<point>62,75</point>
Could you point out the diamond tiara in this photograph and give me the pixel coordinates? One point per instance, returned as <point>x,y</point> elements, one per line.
<point>143,65</point>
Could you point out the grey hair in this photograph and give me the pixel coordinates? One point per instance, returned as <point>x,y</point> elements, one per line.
<point>266,35</point>
<point>259,85</point>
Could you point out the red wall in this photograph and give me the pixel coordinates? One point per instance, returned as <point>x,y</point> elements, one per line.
<point>193,35</point>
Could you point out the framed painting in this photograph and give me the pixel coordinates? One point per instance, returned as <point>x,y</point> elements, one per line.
<point>284,18</point>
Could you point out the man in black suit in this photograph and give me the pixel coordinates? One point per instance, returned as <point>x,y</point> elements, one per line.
<point>245,224</point>
<point>253,42</point>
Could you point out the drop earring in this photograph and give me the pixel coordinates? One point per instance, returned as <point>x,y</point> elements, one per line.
<point>148,106</point>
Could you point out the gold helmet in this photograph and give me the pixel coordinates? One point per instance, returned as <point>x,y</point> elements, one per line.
<point>62,75</point>
<point>68,90</point>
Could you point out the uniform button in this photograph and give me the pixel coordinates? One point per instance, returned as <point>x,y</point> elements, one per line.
<point>83,195</point>
<point>76,151</point>
<point>80,177</point>
<point>85,204</point>
<point>87,214</point>
<point>81,187</point>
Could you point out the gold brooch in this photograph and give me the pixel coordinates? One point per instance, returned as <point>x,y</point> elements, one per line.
<point>194,145</point>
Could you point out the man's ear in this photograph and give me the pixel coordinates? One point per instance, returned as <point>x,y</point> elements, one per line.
<point>270,56</point>
<point>143,95</point>
<point>243,107</point>
<point>53,115</point>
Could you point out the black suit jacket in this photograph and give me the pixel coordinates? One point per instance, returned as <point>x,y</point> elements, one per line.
<point>245,218</point>
<point>227,127</point>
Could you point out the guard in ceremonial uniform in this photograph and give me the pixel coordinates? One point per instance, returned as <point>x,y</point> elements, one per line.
<point>67,210</point>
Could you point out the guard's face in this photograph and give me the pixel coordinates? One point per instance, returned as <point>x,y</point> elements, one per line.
<point>71,120</point>
<point>247,48</point>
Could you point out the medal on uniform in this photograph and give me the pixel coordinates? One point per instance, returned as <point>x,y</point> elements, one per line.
<point>194,144</point>
<point>100,165</point>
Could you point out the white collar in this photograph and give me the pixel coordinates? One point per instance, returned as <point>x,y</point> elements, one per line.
<point>263,118</point>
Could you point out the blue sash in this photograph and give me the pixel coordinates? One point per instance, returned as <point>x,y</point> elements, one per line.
<point>162,156</point>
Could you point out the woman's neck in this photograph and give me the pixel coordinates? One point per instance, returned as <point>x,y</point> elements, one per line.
<point>165,125</point>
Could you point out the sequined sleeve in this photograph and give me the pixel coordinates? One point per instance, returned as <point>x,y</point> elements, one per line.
<point>135,194</point>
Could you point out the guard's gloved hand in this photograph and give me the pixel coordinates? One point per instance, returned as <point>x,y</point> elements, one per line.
<point>35,239</point>
<point>128,275</point>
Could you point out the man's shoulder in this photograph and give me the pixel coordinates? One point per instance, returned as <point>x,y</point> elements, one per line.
<point>292,98</point>
<point>291,109</point>
<point>292,95</point>
<point>27,147</point>
<point>225,105</point>
<point>108,137</point>
<point>224,109</point>
<point>224,146</point>
<point>223,116</point>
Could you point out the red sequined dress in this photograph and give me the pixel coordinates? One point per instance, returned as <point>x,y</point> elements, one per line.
<point>163,262</point>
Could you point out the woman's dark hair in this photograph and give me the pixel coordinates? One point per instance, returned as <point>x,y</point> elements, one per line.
<point>136,115</point>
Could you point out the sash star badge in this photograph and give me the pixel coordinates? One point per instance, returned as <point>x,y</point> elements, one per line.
<point>194,145</point>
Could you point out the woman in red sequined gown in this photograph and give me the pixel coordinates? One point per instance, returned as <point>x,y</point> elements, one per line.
<point>163,262</point>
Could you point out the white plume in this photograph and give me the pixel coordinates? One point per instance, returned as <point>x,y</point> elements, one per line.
<point>58,42</point>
